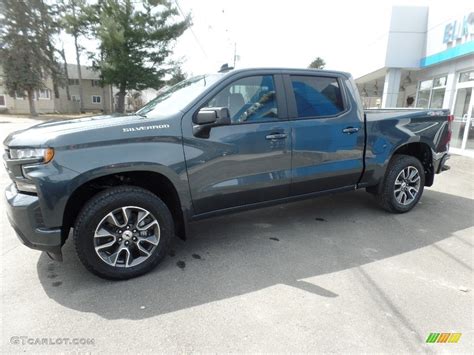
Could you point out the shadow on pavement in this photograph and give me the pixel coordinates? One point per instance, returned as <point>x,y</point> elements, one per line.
<point>233,255</point>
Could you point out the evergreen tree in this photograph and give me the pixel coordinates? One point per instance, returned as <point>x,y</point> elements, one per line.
<point>135,43</point>
<point>318,63</point>
<point>24,62</point>
<point>48,27</point>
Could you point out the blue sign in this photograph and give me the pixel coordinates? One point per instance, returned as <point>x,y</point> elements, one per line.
<point>448,54</point>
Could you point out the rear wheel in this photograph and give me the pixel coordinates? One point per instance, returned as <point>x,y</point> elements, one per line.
<point>123,232</point>
<point>403,184</point>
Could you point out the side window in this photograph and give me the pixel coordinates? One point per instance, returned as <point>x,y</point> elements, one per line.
<point>250,99</point>
<point>317,96</point>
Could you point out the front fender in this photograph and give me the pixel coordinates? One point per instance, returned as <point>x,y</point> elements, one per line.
<point>75,166</point>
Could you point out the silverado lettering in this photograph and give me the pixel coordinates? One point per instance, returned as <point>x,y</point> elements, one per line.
<point>145,128</point>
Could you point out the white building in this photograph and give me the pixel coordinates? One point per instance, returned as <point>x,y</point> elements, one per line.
<point>426,60</point>
<point>96,97</point>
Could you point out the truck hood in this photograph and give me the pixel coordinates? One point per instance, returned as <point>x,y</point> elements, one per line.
<point>85,130</point>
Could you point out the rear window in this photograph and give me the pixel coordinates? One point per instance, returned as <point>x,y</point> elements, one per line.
<point>317,96</point>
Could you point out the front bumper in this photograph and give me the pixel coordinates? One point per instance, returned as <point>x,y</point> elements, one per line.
<point>24,214</point>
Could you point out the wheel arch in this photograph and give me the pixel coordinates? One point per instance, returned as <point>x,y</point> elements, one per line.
<point>423,152</point>
<point>155,182</point>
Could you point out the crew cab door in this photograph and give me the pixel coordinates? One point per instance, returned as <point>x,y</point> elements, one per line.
<point>247,161</point>
<point>327,133</point>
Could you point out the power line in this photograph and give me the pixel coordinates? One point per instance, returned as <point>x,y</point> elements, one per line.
<point>191,29</point>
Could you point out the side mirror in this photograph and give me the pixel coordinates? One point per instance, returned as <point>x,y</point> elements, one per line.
<point>205,116</point>
<point>212,115</point>
<point>209,117</point>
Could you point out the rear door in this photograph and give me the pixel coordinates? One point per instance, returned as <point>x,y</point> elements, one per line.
<point>248,161</point>
<point>327,133</point>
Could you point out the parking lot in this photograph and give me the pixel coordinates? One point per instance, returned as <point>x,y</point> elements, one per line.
<point>334,274</point>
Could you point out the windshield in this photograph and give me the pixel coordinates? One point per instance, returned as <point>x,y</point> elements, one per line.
<point>178,96</point>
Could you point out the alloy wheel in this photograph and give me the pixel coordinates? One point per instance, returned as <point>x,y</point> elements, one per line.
<point>127,236</point>
<point>407,185</point>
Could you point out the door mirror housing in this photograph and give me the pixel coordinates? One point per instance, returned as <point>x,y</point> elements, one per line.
<point>205,116</point>
<point>209,117</point>
<point>212,115</point>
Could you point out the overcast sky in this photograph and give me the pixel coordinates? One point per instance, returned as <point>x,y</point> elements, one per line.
<point>288,33</point>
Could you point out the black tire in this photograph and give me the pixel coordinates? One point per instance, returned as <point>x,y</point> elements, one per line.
<point>385,194</point>
<point>94,212</point>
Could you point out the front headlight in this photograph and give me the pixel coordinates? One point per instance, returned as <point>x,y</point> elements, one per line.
<point>42,154</point>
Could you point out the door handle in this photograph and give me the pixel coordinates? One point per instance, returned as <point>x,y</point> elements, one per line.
<point>276,136</point>
<point>350,130</point>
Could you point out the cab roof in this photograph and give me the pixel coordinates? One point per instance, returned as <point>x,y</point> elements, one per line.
<point>283,70</point>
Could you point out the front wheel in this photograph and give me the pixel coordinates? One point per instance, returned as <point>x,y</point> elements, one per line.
<point>123,232</point>
<point>403,184</point>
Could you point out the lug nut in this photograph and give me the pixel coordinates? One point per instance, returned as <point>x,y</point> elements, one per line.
<point>120,231</point>
<point>134,239</point>
<point>126,243</point>
<point>120,239</point>
<point>128,227</point>
<point>134,231</point>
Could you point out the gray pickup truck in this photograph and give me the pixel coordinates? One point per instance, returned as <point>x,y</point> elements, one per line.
<point>209,145</point>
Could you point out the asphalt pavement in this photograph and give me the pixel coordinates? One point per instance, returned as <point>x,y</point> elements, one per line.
<point>333,274</point>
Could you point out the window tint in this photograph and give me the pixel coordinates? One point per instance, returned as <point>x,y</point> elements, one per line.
<point>249,99</point>
<point>317,96</point>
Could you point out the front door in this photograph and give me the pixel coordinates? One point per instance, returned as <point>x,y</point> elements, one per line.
<point>328,136</point>
<point>248,161</point>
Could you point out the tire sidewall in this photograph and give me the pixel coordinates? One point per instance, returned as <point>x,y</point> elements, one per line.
<point>402,162</point>
<point>93,213</point>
